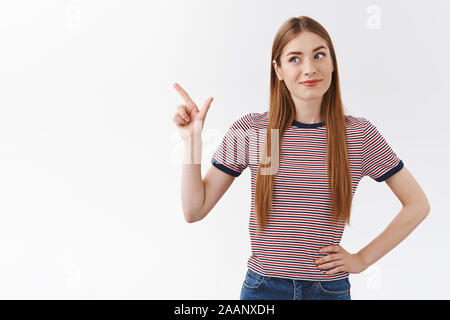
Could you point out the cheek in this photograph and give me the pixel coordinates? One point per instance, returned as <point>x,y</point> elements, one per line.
<point>291,74</point>
<point>327,81</point>
<point>291,78</point>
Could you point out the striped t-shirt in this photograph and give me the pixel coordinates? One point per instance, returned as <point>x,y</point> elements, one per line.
<point>300,222</point>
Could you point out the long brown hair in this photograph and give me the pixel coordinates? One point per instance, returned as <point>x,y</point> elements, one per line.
<point>281,116</point>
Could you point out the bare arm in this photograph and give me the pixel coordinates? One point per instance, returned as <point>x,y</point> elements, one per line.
<point>192,187</point>
<point>415,210</point>
<point>199,195</point>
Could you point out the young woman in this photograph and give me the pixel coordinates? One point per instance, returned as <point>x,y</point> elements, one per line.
<point>306,159</point>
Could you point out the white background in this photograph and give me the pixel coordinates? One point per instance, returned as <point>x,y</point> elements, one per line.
<point>90,160</point>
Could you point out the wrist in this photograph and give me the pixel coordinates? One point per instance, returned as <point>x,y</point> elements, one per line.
<point>192,150</point>
<point>192,139</point>
<point>363,259</point>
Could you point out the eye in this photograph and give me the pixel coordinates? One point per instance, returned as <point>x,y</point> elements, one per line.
<point>321,53</point>
<point>290,60</point>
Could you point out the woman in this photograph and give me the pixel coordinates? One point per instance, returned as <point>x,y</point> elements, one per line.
<point>306,159</point>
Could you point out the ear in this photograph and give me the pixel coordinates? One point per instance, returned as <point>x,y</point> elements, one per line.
<point>277,70</point>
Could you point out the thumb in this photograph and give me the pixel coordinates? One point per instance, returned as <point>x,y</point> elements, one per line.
<point>204,110</point>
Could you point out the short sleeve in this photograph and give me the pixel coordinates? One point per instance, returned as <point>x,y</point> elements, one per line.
<point>231,156</point>
<point>378,161</point>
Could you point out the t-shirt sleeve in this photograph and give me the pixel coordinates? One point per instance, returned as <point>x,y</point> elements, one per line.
<point>378,161</point>
<point>231,156</point>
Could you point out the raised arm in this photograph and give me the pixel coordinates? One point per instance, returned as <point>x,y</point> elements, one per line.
<point>198,196</point>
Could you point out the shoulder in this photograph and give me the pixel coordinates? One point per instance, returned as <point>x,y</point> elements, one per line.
<point>355,122</point>
<point>251,120</point>
<point>359,124</point>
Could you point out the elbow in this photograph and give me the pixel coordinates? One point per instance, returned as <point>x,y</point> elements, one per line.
<point>425,214</point>
<point>427,208</point>
<point>191,218</point>
<point>422,210</point>
<point>194,215</point>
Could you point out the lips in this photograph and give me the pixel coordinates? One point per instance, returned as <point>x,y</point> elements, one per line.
<point>310,81</point>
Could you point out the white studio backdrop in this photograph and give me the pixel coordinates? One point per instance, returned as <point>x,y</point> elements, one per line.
<point>90,160</point>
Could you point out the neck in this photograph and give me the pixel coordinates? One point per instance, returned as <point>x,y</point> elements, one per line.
<point>307,111</point>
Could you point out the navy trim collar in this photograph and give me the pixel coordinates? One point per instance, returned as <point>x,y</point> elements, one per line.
<point>308,125</point>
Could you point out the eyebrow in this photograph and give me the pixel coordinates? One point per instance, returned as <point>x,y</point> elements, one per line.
<point>299,52</point>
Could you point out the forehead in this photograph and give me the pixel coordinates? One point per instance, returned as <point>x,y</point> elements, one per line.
<point>305,42</point>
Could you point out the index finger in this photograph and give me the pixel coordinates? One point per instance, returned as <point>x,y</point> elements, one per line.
<point>329,249</point>
<point>183,93</point>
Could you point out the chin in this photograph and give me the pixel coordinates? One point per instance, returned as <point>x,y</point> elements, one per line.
<point>309,95</point>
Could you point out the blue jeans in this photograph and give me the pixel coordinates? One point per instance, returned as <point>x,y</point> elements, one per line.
<point>258,287</point>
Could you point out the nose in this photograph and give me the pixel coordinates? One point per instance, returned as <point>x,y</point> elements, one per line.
<point>309,68</point>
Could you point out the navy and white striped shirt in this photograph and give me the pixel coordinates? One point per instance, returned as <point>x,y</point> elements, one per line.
<point>300,222</point>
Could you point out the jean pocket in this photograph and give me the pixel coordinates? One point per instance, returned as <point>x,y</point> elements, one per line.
<point>253,280</point>
<point>335,287</point>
